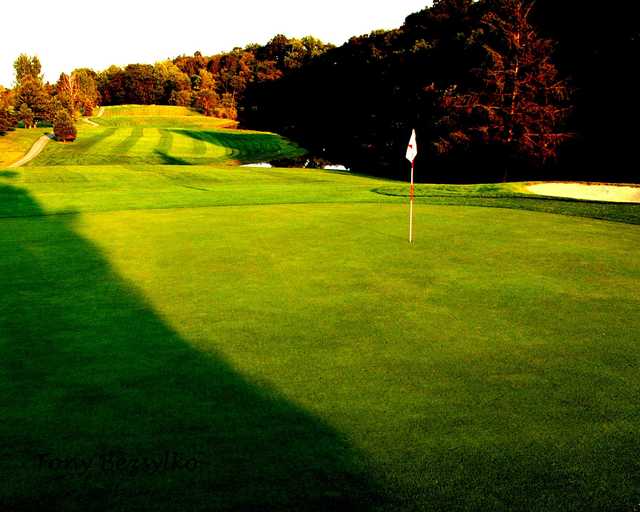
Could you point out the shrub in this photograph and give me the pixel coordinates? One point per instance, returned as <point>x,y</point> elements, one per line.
<point>63,127</point>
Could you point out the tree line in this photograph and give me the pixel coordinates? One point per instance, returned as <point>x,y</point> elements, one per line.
<point>496,89</point>
<point>32,102</point>
<point>213,85</point>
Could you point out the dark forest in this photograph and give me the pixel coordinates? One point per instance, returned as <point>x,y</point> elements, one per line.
<point>497,90</point>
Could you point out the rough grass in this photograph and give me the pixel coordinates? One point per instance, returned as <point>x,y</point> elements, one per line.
<point>14,144</point>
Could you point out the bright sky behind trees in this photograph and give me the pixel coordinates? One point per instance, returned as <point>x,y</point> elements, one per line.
<point>87,33</point>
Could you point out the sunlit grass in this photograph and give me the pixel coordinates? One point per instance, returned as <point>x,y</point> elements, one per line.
<point>160,116</point>
<point>14,144</point>
<point>149,135</point>
<point>148,110</point>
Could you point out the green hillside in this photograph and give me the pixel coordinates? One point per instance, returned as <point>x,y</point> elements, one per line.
<point>160,116</point>
<point>152,135</point>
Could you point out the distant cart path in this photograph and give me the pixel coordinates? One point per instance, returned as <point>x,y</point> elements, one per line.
<point>33,152</point>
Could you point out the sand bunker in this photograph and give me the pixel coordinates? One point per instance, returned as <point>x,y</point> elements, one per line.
<point>595,192</point>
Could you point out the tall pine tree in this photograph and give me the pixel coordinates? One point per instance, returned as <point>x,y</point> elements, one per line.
<point>31,97</point>
<point>516,101</point>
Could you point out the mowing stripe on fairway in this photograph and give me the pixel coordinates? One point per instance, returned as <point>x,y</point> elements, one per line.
<point>166,141</point>
<point>125,146</point>
<point>199,147</point>
<point>87,143</point>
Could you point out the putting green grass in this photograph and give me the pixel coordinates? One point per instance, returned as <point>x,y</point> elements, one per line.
<point>225,338</point>
<point>14,144</point>
<point>150,135</point>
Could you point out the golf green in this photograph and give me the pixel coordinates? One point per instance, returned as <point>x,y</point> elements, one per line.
<point>218,338</point>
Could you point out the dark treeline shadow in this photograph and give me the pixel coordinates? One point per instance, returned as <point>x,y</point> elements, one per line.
<point>105,407</point>
<point>357,104</point>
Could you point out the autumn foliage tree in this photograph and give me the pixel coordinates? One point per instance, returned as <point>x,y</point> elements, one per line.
<point>517,102</point>
<point>32,99</point>
<point>215,85</point>
<point>63,126</point>
<point>27,68</point>
<point>206,101</point>
<point>88,97</point>
<point>176,85</point>
<point>68,92</point>
<point>7,113</point>
<point>25,114</point>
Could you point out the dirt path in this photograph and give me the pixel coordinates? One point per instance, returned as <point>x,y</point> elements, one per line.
<point>89,121</point>
<point>33,152</point>
<point>99,114</point>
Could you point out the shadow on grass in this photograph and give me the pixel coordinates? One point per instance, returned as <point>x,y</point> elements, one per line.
<point>247,147</point>
<point>105,407</point>
<point>165,143</point>
<point>170,160</point>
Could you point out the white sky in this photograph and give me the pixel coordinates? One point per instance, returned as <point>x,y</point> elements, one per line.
<point>88,33</point>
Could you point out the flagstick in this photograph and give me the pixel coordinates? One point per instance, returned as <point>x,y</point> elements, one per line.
<point>411,208</point>
<point>412,152</point>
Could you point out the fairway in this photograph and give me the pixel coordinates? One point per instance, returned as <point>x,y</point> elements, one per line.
<point>150,135</point>
<point>229,338</point>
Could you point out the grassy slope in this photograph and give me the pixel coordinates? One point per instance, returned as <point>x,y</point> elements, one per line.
<point>149,110</point>
<point>159,116</point>
<point>276,325</point>
<point>14,145</point>
<point>154,137</point>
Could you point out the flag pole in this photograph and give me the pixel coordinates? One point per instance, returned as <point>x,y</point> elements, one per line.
<point>411,194</point>
<point>412,153</point>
